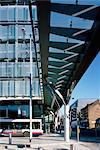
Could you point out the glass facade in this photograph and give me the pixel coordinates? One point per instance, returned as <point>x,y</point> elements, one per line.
<point>19,109</point>
<point>15,30</point>
<point>15,111</point>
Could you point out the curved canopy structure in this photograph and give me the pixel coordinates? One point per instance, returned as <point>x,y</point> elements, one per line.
<point>66,49</point>
<point>68,42</point>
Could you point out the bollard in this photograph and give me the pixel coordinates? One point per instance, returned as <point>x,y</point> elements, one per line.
<point>40,148</point>
<point>20,145</point>
<point>27,145</point>
<point>10,138</point>
<point>6,147</point>
<point>71,147</point>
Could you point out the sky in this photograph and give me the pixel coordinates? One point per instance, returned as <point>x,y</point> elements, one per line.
<point>88,2</point>
<point>89,85</point>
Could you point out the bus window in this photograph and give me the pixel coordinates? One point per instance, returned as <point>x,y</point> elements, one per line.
<point>21,127</point>
<point>36,125</point>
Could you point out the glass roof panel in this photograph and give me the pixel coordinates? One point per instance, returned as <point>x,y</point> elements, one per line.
<point>57,64</point>
<point>85,2</point>
<point>61,45</point>
<point>68,9</point>
<point>75,33</point>
<point>70,28</point>
<point>58,55</point>
<point>69,21</point>
<point>56,70</point>
<point>63,31</point>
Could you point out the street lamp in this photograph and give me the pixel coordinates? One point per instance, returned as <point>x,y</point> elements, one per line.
<point>30,88</point>
<point>30,77</point>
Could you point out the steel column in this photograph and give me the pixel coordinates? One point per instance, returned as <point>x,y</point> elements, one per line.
<point>66,123</point>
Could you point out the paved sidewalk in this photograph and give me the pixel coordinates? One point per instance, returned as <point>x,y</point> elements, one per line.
<point>86,146</point>
<point>47,142</point>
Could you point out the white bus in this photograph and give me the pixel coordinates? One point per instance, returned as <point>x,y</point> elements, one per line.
<point>20,127</point>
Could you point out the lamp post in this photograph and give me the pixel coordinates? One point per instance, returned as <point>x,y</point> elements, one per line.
<point>30,88</point>
<point>30,77</point>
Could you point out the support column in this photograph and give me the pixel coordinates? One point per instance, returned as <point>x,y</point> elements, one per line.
<point>44,126</point>
<point>56,122</point>
<point>48,123</point>
<point>66,123</point>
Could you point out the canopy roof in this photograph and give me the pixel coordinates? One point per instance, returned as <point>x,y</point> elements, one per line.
<point>66,49</point>
<point>68,41</point>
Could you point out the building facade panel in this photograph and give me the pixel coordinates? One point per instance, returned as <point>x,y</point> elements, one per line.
<point>15,31</point>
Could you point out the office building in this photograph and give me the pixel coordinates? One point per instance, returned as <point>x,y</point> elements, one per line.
<point>15,41</point>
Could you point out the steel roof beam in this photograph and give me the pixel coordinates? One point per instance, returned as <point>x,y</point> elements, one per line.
<point>75,33</point>
<point>61,45</point>
<point>43,14</point>
<point>91,50</point>
<point>83,11</point>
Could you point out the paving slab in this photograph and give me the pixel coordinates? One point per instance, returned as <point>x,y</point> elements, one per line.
<point>46,142</point>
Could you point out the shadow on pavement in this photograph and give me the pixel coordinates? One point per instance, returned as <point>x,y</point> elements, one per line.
<point>62,149</point>
<point>88,139</point>
<point>50,139</point>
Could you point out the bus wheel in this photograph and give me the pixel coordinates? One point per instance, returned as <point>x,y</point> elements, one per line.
<point>26,134</point>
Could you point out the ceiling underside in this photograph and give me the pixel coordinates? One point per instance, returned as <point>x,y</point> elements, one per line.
<point>66,49</point>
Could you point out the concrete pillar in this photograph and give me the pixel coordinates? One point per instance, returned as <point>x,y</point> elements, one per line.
<point>66,123</point>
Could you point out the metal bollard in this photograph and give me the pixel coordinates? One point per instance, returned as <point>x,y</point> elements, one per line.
<point>28,145</point>
<point>71,147</point>
<point>40,148</point>
<point>10,138</point>
<point>20,145</point>
<point>6,147</point>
